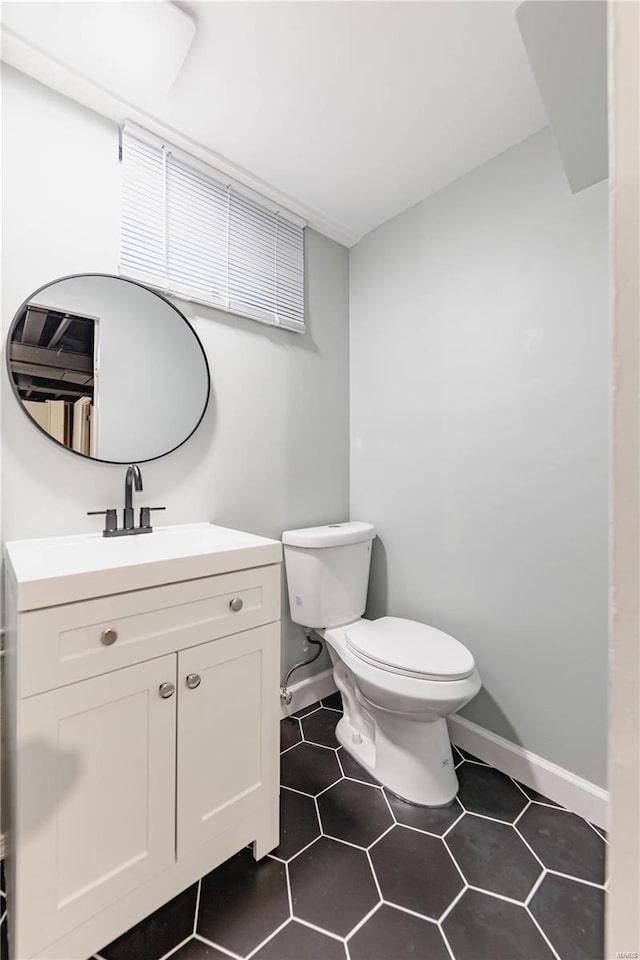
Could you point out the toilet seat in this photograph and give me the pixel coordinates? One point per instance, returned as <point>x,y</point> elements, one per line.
<point>409,648</point>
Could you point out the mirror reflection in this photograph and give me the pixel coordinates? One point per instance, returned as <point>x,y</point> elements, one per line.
<point>108,368</point>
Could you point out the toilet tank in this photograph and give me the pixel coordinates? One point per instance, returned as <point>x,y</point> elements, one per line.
<point>328,572</point>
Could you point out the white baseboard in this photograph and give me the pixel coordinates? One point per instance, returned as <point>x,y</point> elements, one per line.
<point>308,691</point>
<point>1,846</point>
<point>578,795</point>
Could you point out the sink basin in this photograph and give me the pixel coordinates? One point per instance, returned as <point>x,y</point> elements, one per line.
<point>59,570</point>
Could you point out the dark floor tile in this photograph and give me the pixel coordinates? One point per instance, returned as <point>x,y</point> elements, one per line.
<point>572,916</point>
<point>309,768</point>
<point>242,902</point>
<point>297,942</point>
<point>159,932</point>
<point>469,756</point>
<point>298,823</point>
<point>2,877</point>
<point>391,934</point>
<point>492,856</point>
<point>354,812</point>
<point>332,886</point>
<point>534,795</point>
<point>432,819</point>
<point>304,711</point>
<point>457,756</point>
<point>352,768</point>
<point>564,842</point>
<point>415,871</point>
<point>481,927</point>
<point>320,727</point>
<point>197,950</point>
<point>289,733</point>
<point>488,792</point>
<point>334,701</point>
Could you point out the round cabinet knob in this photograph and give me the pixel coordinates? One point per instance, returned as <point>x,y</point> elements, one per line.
<point>108,637</point>
<point>236,604</point>
<point>166,690</point>
<point>193,680</point>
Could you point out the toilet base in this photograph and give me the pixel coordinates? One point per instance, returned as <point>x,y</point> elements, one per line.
<point>412,758</point>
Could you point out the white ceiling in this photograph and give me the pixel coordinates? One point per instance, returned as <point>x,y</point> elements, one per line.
<point>352,110</point>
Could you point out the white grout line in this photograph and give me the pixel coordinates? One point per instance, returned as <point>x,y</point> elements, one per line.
<point>362,922</point>
<point>543,934</point>
<point>328,788</point>
<point>175,949</point>
<point>270,937</point>
<point>296,855</point>
<point>530,848</point>
<point>314,743</point>
<point>446,913</point>
<point>388,830</point>
<point>597,832</point>
<point>210,943</point>
<point>483,816</point>
<point>535,887</point>
<point>446,941</point>
<point>426,833</point>
<point>292,747</point>
<point>375,876</point>
<point>455,862</point>
<point>390,808</point>
<point>312,926</point>
<point>289,894</point>
<point>463,813</point>
<point>523,811</point>
<point>496,896</point>
<point>294,790</point>
<point>569,876</point>
<point>520,788</point>
<point>195,919</point>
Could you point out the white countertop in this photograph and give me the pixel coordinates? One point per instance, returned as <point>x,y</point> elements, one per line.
<point>59,570</point>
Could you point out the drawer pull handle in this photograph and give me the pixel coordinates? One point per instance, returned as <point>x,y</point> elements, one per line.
<point>193,680</point>
<point>166,690</point>
<point>108,637</point>
<point>236,604</point>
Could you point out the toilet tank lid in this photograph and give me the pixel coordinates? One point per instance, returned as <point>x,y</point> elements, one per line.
<point>329,535</point>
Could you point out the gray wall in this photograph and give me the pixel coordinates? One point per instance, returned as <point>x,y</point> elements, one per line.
<point>272,452</point>
<point>479,415</point>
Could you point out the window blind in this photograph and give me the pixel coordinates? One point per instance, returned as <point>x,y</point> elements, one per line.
<point>187,231</point>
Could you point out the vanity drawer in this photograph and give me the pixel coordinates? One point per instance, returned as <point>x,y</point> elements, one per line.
<point>60,645</point>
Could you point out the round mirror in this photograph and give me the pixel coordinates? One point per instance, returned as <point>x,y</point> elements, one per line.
<point>107,368</point>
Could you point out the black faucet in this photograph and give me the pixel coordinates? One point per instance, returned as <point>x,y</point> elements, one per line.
<point>132,479</point>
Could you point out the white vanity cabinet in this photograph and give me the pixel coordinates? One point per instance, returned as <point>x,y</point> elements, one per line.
<point>143,725</point>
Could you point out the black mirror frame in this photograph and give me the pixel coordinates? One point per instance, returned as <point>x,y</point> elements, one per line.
<point>111,276</point>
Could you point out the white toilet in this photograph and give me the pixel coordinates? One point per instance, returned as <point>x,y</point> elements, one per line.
<point>399,679</point>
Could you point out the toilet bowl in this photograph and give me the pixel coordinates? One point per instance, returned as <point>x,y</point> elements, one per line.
<point>394,721</point>
<point>399,679</point>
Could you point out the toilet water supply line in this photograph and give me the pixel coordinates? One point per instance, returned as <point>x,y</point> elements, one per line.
<point>285,694</point>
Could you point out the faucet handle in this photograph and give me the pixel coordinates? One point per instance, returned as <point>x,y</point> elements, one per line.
<point>145,515</point>
<point>111,522</point>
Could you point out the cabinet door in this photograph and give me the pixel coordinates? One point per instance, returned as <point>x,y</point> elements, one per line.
<point>96,782</point>
<point>227,734</point>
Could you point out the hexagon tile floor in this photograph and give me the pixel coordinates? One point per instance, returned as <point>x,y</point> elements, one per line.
<point>501,874</point>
